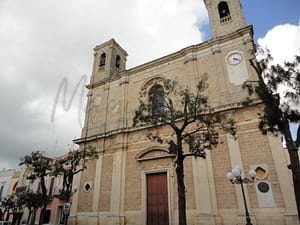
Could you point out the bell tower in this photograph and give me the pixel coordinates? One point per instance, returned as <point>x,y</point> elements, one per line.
<point>225,17</point>
<point>109,60</point>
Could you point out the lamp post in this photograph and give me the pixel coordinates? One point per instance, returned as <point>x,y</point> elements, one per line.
<point>235,177</point>
<point>67,192</point>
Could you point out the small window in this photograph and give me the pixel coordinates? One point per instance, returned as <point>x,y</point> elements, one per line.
<point>1,190</point>
<point>60,214</point>
<point>156,97</point>
<point>51,186</point>
<point>47,216</point>
<point>87,186</point>
<point>118,61</point>
<point>224,12</point>
<point>102,59</point>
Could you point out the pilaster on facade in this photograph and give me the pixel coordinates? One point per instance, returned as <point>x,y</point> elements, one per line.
<point>284,179</point>
<point>236,160</point>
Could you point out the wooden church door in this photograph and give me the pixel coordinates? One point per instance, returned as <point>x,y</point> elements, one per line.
<point>157,199</point>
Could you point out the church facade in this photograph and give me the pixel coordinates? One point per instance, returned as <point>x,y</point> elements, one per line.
<point>134,178</point>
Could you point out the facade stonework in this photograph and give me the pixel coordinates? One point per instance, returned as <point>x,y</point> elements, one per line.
<point>113,189</point>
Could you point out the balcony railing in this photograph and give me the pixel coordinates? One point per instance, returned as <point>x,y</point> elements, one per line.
<point>225,19</point>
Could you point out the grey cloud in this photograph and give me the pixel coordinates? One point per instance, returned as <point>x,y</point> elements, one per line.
<point>43,42</point>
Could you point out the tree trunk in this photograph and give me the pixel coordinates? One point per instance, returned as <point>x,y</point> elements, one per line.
<point>14,219</point>
<point>32,219</point>
<point>295,165</point>
<point>180,184</point>
<point>44,191</point>
<point>7,215</point>
<point>296,176</point>
<point>42,216</point>
<point>29,215</point>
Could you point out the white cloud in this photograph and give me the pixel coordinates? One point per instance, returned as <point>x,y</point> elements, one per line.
<point>282,41</point>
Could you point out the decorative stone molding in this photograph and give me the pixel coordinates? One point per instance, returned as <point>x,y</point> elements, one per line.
<point>215,49</point>
<point>159,79</point>
<point>261,172</point>
<point>87,186</point>
<point>153,153</point>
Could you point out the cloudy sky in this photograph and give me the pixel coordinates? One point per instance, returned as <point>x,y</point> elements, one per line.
<point>45,43</point>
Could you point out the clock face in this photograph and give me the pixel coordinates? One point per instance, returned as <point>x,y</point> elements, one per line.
<point>234,58</point>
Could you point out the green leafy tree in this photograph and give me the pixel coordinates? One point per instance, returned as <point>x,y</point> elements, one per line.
<point>32,201</point>
<point>68,166</point>
<point>191,118</point>
<point>8,204</point>
<point>278,87</point>
<point>40,168</point>
<point>11,206</point>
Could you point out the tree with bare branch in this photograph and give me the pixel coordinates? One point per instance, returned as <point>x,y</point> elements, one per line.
<point>191,118</point>
<point>40,168</point>
<point>68,166</point>
<point>32,201</point>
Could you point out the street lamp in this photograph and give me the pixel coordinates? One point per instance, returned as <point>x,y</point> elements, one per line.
<point>75,188</point>
<point>66,191</point>
<point>235,177</point>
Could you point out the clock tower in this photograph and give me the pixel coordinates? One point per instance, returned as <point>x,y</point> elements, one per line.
<point>225,17</point>
<point>233,47</point>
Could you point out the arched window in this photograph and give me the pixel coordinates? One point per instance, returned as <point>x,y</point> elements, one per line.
<point>118,61</point>
<point>224,12</point>
<point>102,59</point>
<point>156,97</point>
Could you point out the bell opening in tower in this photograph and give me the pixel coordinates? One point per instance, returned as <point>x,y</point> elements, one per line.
<point>224,12</point>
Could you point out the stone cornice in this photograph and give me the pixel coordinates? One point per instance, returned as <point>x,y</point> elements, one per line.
<point>223,108</point>
<point>207,45</point>
<point>190,49</point>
